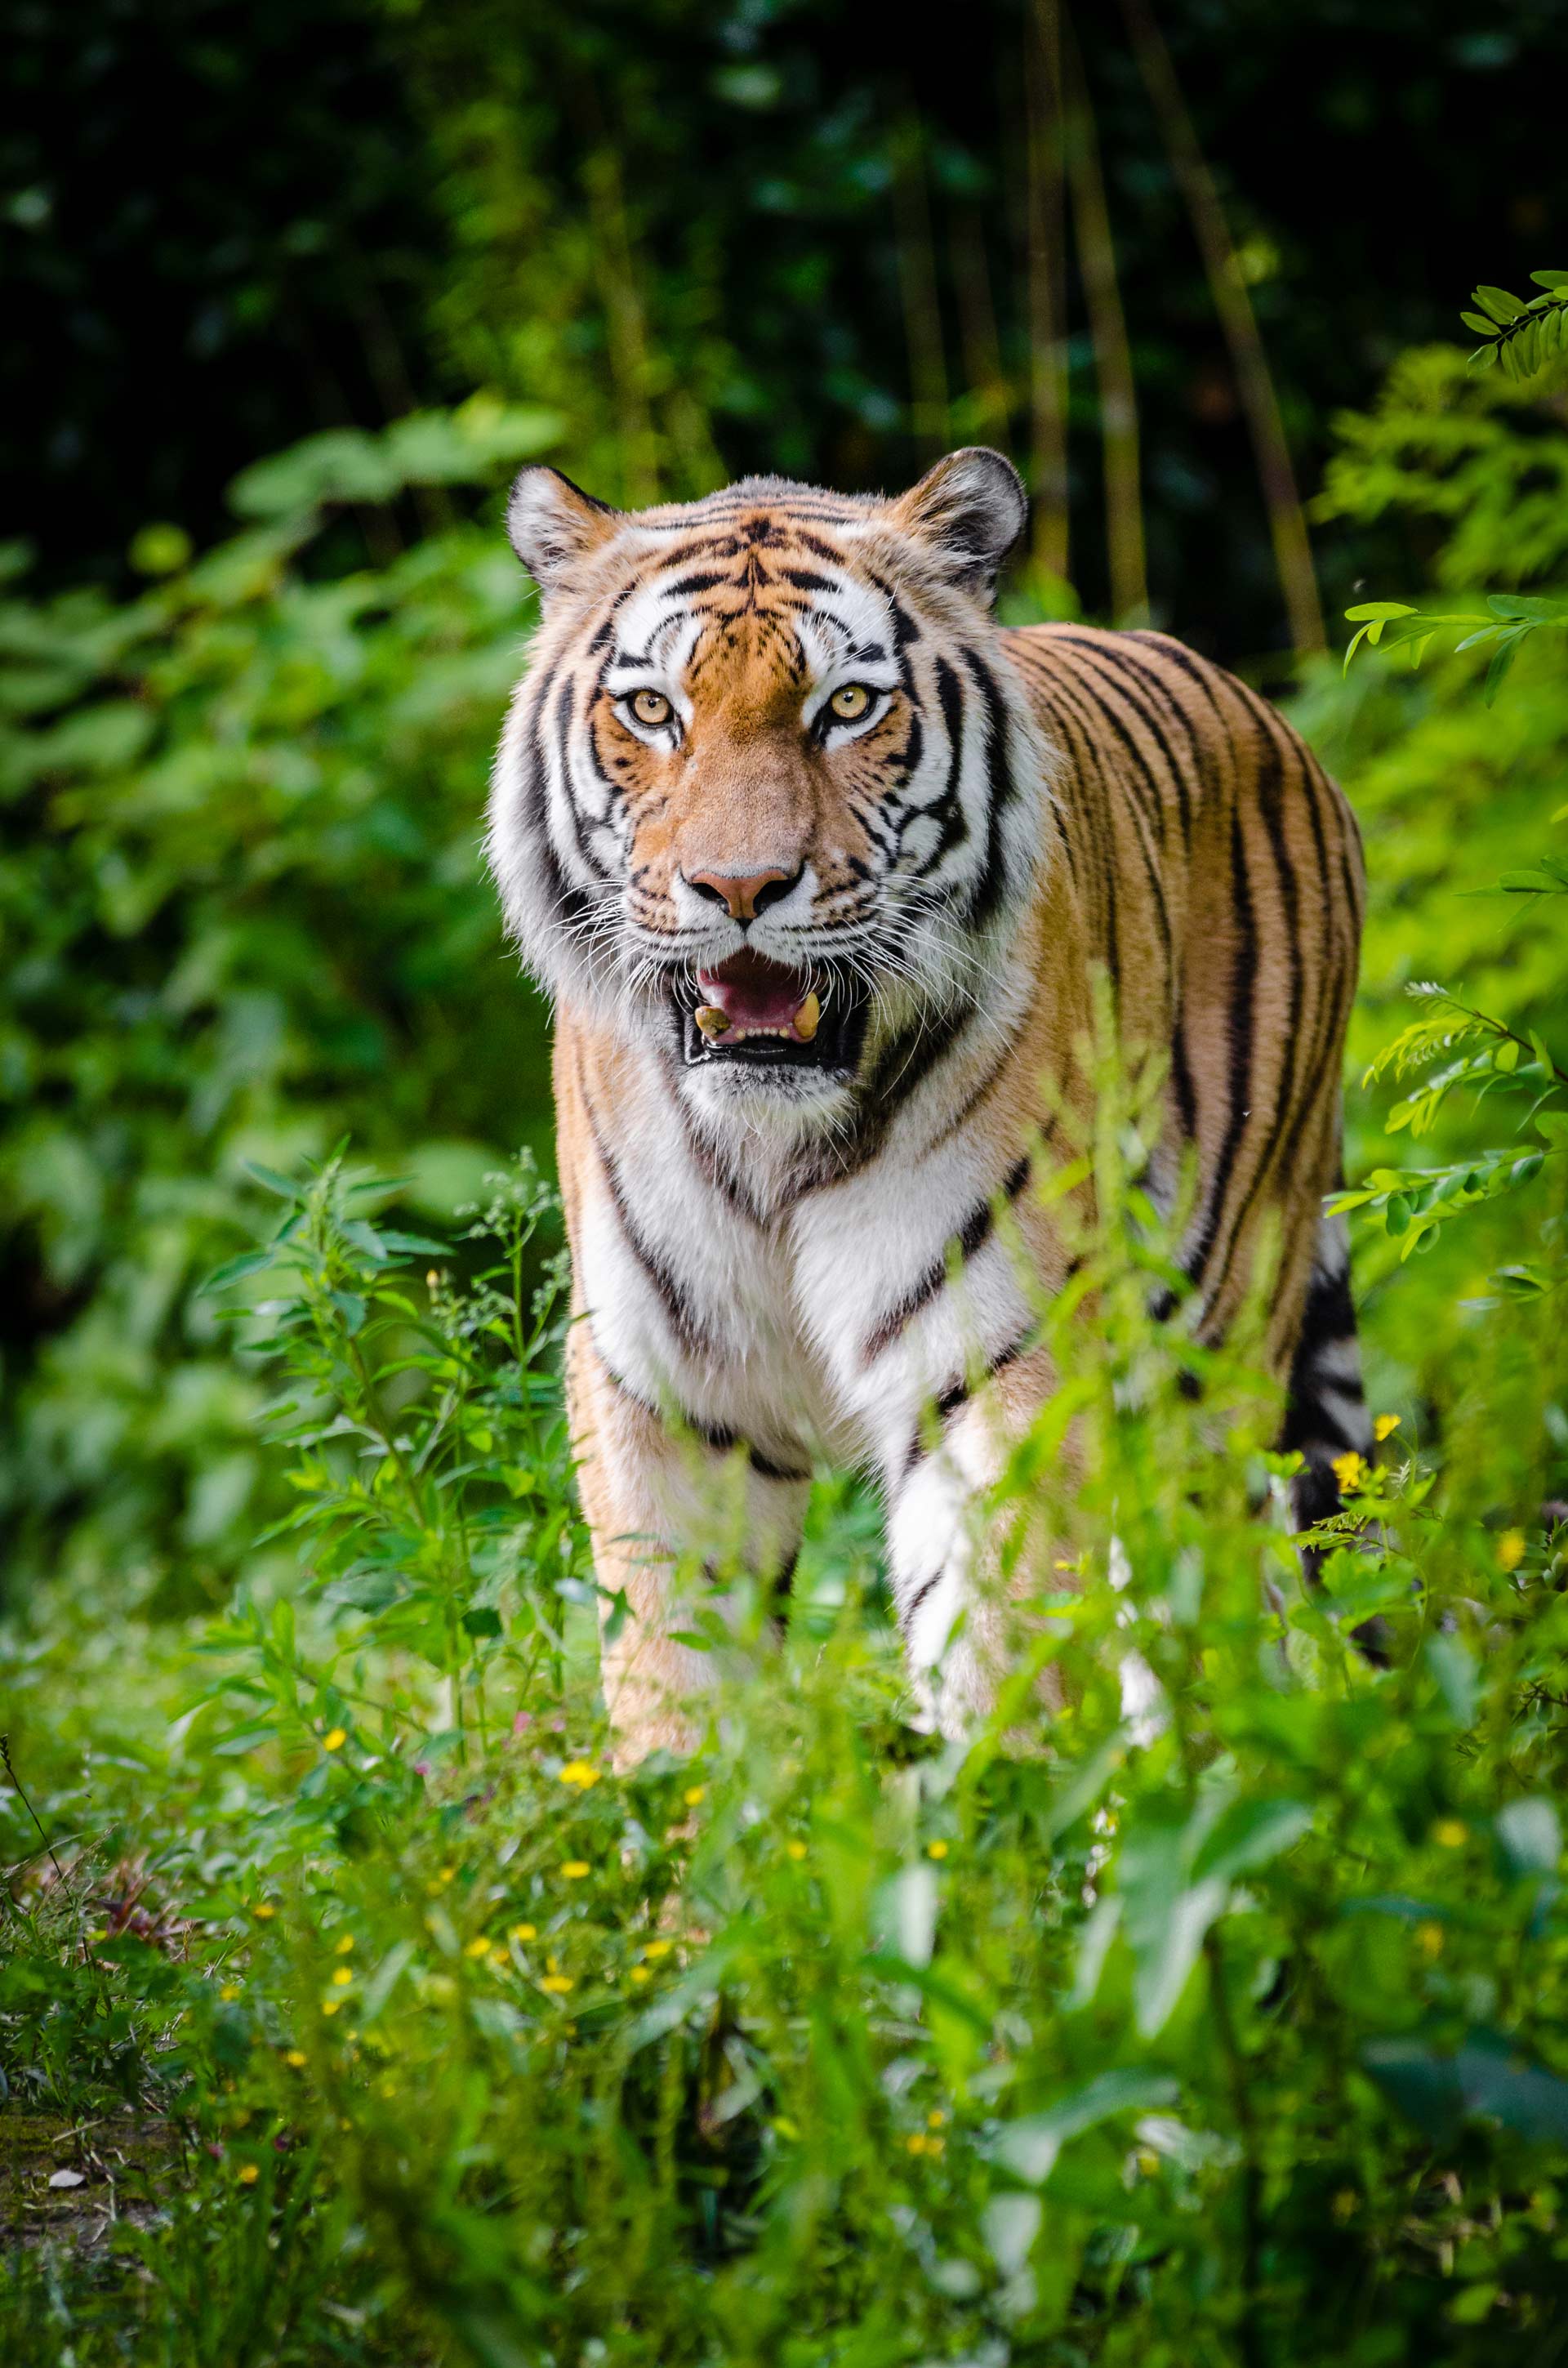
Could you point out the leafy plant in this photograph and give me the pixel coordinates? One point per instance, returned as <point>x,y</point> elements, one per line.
<point>1520,336</point>
<point>430,1460</point>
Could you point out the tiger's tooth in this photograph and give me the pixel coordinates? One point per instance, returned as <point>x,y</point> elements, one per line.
<point>808,1017</point>
<point>712,1020</point>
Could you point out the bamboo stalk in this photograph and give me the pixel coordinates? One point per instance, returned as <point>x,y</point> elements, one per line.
<point>1286,520</point>
<point>917,288</point>
<point>1113,358</point>
<point>1046,285</point>
<point>985,379</point>
<point>626,335</point>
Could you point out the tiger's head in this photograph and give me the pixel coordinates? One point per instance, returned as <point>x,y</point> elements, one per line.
<point>767,796</point>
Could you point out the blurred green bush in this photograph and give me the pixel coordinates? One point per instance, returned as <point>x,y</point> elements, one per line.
<point>244,914</point>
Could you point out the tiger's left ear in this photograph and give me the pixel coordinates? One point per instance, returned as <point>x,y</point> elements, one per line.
<point>970,509</point>
<point>554,527</point>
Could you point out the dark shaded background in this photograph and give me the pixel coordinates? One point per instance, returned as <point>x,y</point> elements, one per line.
<point>226,227</point>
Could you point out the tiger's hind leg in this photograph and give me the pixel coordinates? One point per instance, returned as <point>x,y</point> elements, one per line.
<point>1325,1406</point>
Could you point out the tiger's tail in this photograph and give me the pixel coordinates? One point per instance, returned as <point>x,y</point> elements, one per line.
<point>1325,1407</point>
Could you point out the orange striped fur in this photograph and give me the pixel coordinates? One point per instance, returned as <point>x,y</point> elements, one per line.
<point>774,741</point>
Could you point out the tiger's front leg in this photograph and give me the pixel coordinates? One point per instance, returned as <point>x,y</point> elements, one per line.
<point>956,1606</point>
<point>653,1496</point>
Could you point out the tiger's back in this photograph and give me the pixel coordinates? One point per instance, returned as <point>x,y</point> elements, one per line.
<point>1220,873</point>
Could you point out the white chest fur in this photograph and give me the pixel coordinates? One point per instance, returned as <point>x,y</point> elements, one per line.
<point>819,1330</point>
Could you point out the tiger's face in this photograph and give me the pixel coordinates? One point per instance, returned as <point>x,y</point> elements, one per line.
<point>767,792</point>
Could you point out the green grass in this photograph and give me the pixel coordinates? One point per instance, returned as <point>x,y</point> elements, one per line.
<point>384,2022</point>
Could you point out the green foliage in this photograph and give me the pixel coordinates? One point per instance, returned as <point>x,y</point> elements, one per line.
<point>1460,801</point>
<point>244,909</point>
<point>1415,1202</point>
<point>1412,1203</point>
<point>1227,2024</point>
<point>1515,617</point>
<point>429,1454</point>
<point>1520,337</point>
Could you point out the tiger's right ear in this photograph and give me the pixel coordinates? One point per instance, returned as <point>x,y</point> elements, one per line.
<point>554,526</point>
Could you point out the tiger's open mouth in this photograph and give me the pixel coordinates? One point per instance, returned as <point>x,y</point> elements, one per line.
<point>755,1010</point>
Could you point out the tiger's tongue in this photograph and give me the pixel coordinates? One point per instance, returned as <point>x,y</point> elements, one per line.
<point>753,992</point>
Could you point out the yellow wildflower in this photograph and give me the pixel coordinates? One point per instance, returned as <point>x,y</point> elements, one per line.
<point>557,1984</point>
<point>937,1848</point>
<point>1148,2161</point>
<point>1350,1470</point>
<point>575,1869</point>
<point>336,1739</point>
<point>1510,1549</point>
<point>657,1948</point>
<point>796,1850</point>
<point>525,1932</point>
<point>936,2118</point>
<point>330,2006</point>
<point>263,1909</point>
<point>343,1975</point>
<point>1385,1426</point>
<point>295,2056</point>
<point>230,1990</point>
<point>1451,1832</point>
<point>918,2142</point>
<point>248,2174</point>
<point>343,1947</point>
<point>580,1772</point>
<point>1429,1940</point>
<point>445,1873</point>
<point>479,1946</point>
<point>641,1974</point>
<point>694,1793</point>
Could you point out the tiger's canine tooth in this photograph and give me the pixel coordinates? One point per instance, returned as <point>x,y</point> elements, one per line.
<point>712,1020</point>
<point>807,1018</point>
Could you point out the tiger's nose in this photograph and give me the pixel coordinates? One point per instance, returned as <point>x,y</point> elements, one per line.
<point>744,898</point>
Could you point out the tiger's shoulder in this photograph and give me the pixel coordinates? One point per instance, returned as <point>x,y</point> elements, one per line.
<point>1151,727</point>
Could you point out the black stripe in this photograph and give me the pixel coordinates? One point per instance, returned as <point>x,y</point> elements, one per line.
<point>986,894</point>
<point>1099,856</point>
<point>1135,812</point>
<point>725,1442</point>
<point>907,1612</point>
<point>721,1442</point>
<point>1240,1037</point>
<point>959,1393</point>
<point>949,804</point>
<point>569,902</point>
<point>563,708</point>
<point>684,1320</point>
<point>972,1232</point>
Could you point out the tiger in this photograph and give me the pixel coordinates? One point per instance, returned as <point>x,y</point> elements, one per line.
<point>820,864</point>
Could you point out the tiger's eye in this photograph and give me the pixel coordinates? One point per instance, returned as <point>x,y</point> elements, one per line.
<point>850,701</point>
<point>651,707</point>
